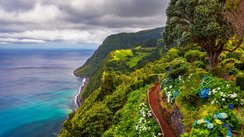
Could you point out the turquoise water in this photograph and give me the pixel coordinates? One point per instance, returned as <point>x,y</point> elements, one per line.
<point>37,89</point>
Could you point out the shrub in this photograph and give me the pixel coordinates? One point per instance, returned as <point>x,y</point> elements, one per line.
<point>214,125</point>
<point>222,93</point>
<point>172,54</point>
<point>200,64</point>
<point>217,70</point>
<point>194,55</point>
<point>171,88</point>
<point>227,61</point>
<point>240,65</point>
<point>222,57</point>
<point>178,67</point>
<point>240,80</point>
<point>234,55</point>
<point>232,71</point>
<point>189,92</point>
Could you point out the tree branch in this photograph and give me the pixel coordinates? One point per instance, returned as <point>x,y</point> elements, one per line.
<point>237,46</point>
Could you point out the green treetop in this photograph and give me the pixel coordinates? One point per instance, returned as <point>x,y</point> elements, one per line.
<point>202,22</point>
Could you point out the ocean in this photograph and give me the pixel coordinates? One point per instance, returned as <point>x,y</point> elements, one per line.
<point>37,90</point>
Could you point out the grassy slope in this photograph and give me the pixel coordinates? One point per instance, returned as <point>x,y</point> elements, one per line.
<point>101,59</point>
<point>105,113</point>
<point>115,42</point>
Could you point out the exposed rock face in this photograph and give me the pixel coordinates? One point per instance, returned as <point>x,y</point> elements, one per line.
<point>176,122</point>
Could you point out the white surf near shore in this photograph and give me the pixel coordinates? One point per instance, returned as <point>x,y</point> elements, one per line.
<point>76,98</point>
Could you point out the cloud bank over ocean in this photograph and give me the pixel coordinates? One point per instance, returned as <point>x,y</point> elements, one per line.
<point>76,21</point>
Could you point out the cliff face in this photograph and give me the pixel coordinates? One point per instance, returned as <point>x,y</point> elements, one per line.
<point>94,67</point>
<point>115,98</point>
<point>118,80</point>
<point>115,42</point>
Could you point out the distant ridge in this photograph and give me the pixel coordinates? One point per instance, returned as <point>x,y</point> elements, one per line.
<point>115,42</point>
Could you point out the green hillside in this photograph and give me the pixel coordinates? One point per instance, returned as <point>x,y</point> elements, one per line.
<point>201,76</point>
<point>108,56</point>
<point>115,42</point>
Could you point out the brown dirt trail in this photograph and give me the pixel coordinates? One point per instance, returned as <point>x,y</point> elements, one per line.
<point>154,102</point>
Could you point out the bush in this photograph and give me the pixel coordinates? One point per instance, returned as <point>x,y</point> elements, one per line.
<point>194,55</point>
<point>172,54</point>
<point>200,64</point>
<point>189,92</point>
<point>227,61</point>
<point>213,125</point>
<point>178,67</point>
<point>240,65</point>
<point>217,71</point>
<point>234,55</point>
<point>232,71</point>
<point>240,80</point>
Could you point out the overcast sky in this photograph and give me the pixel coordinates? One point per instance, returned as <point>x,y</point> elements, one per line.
<point>76,21</point>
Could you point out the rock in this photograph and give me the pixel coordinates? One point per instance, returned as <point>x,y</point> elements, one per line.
<point>176,122</point>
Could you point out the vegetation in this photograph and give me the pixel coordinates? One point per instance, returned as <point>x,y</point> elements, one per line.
<point>201,22</point>
<point>101,59</point>
<point>115,42</point>
<point>198,36</point>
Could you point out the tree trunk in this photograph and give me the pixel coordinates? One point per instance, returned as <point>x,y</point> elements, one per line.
<point>213,58</point>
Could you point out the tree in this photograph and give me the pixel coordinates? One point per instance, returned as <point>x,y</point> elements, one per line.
<point>234,14</point>
<point>202,22</point>
<point>93,123</point>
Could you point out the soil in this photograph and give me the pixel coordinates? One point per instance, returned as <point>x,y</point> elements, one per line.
<point>154,102</point>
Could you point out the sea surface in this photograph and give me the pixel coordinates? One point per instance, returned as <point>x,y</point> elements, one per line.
<point>37,89</point>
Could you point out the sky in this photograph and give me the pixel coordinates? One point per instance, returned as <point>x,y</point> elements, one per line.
<point>75,22</point>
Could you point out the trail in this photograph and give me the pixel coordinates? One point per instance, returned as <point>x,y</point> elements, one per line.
<point>156,109</point>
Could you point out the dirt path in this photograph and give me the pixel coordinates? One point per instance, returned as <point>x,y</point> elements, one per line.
<point>154,103</point>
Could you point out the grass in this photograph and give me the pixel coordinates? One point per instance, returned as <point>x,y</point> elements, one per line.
<point>134,60</point>
<point>122,54</point>
<point>131,58</point>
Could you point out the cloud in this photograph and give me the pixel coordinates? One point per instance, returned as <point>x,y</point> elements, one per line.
<point>76,21</point>
<point>39,14</point>
<point>13,40</point>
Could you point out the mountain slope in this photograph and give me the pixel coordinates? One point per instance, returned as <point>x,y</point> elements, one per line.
<point>115,42</point>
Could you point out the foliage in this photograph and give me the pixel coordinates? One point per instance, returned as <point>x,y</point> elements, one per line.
<point>221,92</point>
<point>194,55</point>
<point>171,88</point>
<point>199,64</point>
<point>240,80</point>
<point>171,54</point>
<point>178,66</point>
<point>134,119</point>
<point>219,123</point>
<point>119,77</point>
<point>146,126</point>
<point>199,21</point>
<point>112,43</point>
<point>122,54</point>
<point>235,55</point>
<point>240,65</point>
<point>134,60</point>
<point>189,90</point>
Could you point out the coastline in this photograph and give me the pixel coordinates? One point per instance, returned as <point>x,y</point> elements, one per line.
<point>77,100</point>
